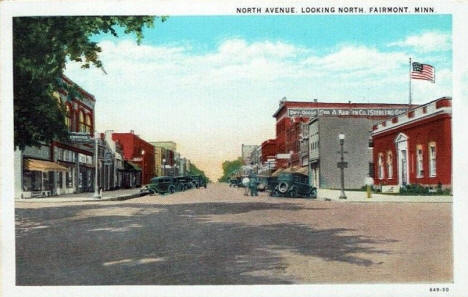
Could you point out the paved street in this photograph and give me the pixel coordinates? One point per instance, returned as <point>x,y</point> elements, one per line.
<point>219,236</point>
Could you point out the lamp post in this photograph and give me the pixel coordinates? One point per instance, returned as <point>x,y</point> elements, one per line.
<point>342,165</point>
<point>96,157</point>
<point>142,165</point>
<point>164,167</point>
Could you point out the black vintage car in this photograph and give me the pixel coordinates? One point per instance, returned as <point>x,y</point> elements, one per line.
<point>199,181</point>
<point>272,182</point>
<point>184,183</point>
<point>162,185</point>
<point>294,185</point>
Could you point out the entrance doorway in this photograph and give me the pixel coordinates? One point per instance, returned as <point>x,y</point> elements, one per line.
<point>401,142</point>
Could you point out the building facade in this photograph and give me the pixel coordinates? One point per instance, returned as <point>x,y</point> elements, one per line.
<point>324,147</point>
<point>415,147</point>
<point>137,151</point>
<point>291,115</point>
<point>61,167</point>
<point>246,153</point>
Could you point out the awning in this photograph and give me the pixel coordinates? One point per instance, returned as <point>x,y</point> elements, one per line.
<point>44,166</point>
<point>302,170</point>
<point>131,166</point>
<point>277,172</point>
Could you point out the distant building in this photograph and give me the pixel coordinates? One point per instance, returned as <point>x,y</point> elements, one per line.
<point>246,153</point>
<point>415,147</point>
<point>168,145</point>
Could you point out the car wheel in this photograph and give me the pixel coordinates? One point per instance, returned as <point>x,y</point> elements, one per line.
<point>282,187</point>
<point>171,189</point>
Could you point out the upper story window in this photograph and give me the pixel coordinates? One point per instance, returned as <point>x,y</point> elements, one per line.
<point>432,159</point>
<point>82,122</point>
<point>88,123</point>
<point>419,161</point>
<point>68,120</point>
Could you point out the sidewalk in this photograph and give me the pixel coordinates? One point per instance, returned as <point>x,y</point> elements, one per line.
<point>80,197</point>
<point>357,196</point>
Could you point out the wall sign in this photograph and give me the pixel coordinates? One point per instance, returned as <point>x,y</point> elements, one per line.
<point>313,112</point>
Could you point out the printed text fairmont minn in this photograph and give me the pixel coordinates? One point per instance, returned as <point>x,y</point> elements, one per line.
<point>334,10</point>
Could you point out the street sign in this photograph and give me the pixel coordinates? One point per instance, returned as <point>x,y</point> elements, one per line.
<point>80,137</point>
<point>342,164</point>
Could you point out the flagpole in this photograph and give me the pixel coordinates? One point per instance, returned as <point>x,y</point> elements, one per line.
<point>410,82</point>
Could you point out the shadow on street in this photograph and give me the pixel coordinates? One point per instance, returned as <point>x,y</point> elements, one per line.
<point>168,245</point>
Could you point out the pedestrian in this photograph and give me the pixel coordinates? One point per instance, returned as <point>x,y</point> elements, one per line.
<point>245,183</point>
<point>253,185</point>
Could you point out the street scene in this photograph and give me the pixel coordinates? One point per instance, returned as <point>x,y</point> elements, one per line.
<point>219,236</point>
<point>193,150</point>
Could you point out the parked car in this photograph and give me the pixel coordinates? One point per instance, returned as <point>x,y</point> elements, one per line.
<point>293,184</point>
<point>184,183</point>
<point>262,183</point>
<point>162,185</point>
<point>272,183</point>
<point>199,181</point>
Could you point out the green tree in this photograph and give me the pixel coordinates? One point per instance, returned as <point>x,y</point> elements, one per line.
<point>194,170</point>
<point>229,167</point>
<point>41,48</point>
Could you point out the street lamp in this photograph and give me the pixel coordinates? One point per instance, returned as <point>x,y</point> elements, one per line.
<point>142,166</point>
<point>342,165</point>
<point>96,188</point>
<point>164,167</point>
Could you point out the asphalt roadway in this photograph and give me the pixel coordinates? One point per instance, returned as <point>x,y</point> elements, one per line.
<point>219,236</point>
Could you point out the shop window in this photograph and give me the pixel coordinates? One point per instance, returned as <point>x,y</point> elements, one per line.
<point>432,159</point>
<point>419,162</point>
<point>381,166</point>
<point>32,180</point>
<point>59,180</point>
<point>389,164</point>
<point>69,178</point>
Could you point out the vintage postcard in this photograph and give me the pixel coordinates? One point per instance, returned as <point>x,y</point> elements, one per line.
<point>233,148</point>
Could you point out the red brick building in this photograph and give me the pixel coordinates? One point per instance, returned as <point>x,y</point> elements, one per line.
<point>290,115</point>
<point>415,147</point>
<point>268,150</point>
<point>137,151</point>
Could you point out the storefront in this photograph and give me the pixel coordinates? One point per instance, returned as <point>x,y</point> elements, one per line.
<point>415,148</point>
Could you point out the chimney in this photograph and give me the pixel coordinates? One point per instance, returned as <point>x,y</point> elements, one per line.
<point>132,131</point>
<point>315,100</point>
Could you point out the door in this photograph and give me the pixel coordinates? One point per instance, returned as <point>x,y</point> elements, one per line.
<point>402,148</point>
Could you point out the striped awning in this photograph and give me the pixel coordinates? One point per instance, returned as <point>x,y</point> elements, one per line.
<point>44,166</point>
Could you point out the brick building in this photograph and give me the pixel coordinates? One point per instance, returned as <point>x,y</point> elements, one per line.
<point>137,151</point>
<point>290,115</point>
<point>415,147</point>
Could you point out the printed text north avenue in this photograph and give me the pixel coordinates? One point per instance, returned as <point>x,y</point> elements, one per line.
<point>334,10</point>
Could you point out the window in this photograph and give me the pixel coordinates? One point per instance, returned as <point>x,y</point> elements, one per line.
<point>432,159</point>
<point>389,164</point>
<point>69,178</point>
<point>88,123</point>
<point>381,166</point>
<point>82,127</point>
<point>419,162</point>
<point>68,117</point>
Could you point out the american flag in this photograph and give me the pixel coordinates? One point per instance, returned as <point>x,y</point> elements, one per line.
<point>423,71</point>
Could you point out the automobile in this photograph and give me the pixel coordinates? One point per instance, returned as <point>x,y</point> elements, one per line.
<point>262,183</point>
<point>199,181</point>
<point>293,184</point>
<point>184,183</point>
<point>272,183</point>
<point>233,182</point>
<point>162,185</point>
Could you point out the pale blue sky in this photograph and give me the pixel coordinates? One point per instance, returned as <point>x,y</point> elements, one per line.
<point>212,83</point>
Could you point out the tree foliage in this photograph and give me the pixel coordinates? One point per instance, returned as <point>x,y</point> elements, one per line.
<point>229,167</point>
<point>194,170</point>
<point>41,48</point>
